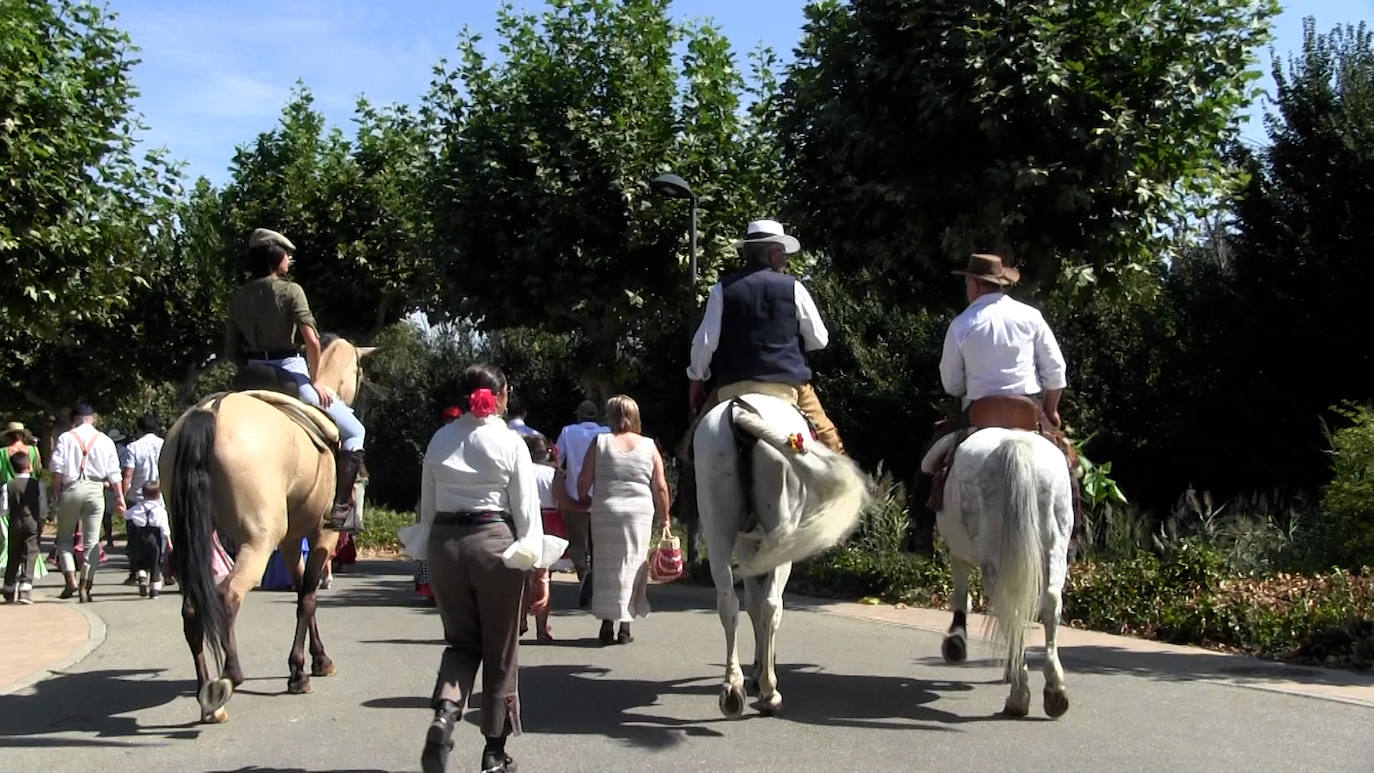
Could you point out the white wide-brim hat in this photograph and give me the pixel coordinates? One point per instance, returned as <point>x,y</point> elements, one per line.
<point>769,232</point>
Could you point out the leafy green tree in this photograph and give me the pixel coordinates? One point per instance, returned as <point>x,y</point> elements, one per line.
<point>1290,303</point>
<point>354,209</point>
<point>83,218</point>
<point>1070,134</point>
<point>541,196</point>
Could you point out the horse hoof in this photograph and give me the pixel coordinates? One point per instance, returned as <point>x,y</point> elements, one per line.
<point>954,649</point>
<point>323,667</point>
<point>301,687</point>
<point>213,695</point>
<point>1017,705</point>
<point>217,717</point>
<point>732,701</point>
<point>771,705</point>
<point>1056,702</point>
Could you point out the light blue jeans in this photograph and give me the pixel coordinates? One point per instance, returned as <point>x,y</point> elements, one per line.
<point>351,431</point>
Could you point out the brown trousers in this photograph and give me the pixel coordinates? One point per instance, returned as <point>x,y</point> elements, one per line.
<point>481,603</point>
<point>579,539</point>
<point>807,402</point>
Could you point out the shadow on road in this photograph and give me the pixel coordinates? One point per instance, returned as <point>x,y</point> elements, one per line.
<point>589,700</point>
<point>92,702</point>
<point>1199,666</point>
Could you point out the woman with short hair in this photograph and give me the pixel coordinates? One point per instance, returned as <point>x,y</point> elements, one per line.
<point>624,484</point>
<point>479,499</point>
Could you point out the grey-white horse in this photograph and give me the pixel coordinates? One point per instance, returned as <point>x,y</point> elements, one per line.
<point>1008,509</point>
<point>801,498</point>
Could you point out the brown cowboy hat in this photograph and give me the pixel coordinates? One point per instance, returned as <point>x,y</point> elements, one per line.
<point>17,428</point>
<point>990,268</point>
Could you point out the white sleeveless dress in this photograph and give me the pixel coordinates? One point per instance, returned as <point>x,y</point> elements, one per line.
<point>622,514</point>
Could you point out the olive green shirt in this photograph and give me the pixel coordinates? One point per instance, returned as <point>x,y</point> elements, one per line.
<point>264,315</point>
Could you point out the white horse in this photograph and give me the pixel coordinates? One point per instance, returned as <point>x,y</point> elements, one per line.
<point>804,498</point>
<point>1008,508</point>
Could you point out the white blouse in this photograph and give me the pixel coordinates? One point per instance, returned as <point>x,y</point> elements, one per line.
<point>480,465</point>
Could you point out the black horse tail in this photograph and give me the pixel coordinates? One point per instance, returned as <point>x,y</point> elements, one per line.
<point>193,524</point>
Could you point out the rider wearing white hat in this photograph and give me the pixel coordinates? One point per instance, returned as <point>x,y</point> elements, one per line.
<point>758,325</point>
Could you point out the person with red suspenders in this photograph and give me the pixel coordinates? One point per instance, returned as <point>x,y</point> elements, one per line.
<point>84,460</point>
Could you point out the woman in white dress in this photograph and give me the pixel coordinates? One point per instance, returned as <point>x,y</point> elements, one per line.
<point>623,481</point>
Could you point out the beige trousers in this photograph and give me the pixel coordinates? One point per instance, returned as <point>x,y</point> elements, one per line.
<point>83,504</point>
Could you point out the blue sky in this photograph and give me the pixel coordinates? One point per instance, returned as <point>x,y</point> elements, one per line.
<point>214,75</point>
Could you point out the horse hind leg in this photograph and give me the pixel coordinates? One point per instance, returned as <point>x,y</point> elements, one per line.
<point>765,645</point>
<point>1056,698</point>
<point>306,599</point>
<point>248,567</point>
<point>752,596</point>
<point>211,694</point>
<point>1018,700</point>
<point>732,696</point>
<point>954,648</point>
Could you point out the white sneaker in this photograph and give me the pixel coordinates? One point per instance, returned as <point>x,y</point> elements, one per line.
<point>25,593</point>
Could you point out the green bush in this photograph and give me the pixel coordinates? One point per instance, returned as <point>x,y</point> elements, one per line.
<point>380,526</point>
<point>1347,531</point>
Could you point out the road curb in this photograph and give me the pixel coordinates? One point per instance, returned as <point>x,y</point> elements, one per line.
<point>95,636</point>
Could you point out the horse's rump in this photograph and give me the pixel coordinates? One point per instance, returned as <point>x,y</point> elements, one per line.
<point>806,497</point>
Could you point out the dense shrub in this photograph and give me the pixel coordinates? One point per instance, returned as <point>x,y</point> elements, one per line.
<point>1346,534</point>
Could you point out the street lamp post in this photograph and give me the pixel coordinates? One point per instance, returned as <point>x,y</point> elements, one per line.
<point>675,187</point>
<point>672,186</point>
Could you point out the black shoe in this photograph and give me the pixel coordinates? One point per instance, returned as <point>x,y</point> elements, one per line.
<point>607,635</point>
<point>624,636</point>
<point>154,593</point>
<point>439,738</point>
<point>67,592</point>
<point>497,762</point>
<point>584,594</point>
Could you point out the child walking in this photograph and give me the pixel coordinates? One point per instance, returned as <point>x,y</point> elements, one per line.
<point>25,507</point>
<point>148,527</point>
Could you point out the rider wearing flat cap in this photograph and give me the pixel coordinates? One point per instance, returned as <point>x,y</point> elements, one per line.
<point>758,326</point>
<point>266,316</point>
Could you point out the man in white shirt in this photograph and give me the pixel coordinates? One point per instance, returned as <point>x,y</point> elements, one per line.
<point>83,462</point>
<point>573,443</point>
<point>758,326</point>
<point>999,346</point>
<point>516,414</point>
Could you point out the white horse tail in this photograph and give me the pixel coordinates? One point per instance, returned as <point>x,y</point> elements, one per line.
<point>1019,581</point>
<point>836,492</point>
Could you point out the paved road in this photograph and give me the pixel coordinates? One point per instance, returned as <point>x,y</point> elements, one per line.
<point>860,695</point>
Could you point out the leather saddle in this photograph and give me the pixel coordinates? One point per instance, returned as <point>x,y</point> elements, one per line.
<point>1004,411</point>
<point>318,425</point>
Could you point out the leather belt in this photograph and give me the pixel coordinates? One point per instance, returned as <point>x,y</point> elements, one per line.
<point>270,354</point>
<point>472,518</point>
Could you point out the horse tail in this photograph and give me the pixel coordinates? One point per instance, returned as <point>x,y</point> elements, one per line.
<point>1019,581</point>
<point>836,493</point>
<point>192,515</point>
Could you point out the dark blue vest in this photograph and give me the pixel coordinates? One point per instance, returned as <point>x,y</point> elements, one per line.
<point>759,336</point>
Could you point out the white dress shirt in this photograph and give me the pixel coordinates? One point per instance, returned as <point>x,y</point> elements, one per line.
<point>142,459</point>
<point>543,483</point>
<point>573,443</point>
<point>480,465</point>
<point>1000,346</point>
<point>101,462</point>
<point>813,333</point>
<point>521,428</point>
<point>149,512</point>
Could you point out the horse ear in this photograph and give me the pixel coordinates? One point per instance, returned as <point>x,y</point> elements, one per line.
<point>363,351</point>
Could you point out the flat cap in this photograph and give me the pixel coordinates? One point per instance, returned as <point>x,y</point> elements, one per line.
<point>262,238</point>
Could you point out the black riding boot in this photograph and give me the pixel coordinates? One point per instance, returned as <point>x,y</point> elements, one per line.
<point>439,738</point>
<point>346,467</point>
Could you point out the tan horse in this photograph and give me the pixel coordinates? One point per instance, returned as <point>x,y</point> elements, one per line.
<point>243,468</point>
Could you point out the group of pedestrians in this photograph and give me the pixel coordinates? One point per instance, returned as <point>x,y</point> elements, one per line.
<point>91,480</point>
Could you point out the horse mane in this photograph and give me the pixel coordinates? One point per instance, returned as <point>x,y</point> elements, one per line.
<point>326,339</point>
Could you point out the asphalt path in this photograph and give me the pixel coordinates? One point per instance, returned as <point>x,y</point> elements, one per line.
<point>860,695</point>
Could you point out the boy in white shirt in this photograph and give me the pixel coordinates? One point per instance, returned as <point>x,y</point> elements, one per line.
<point>148,526</point>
